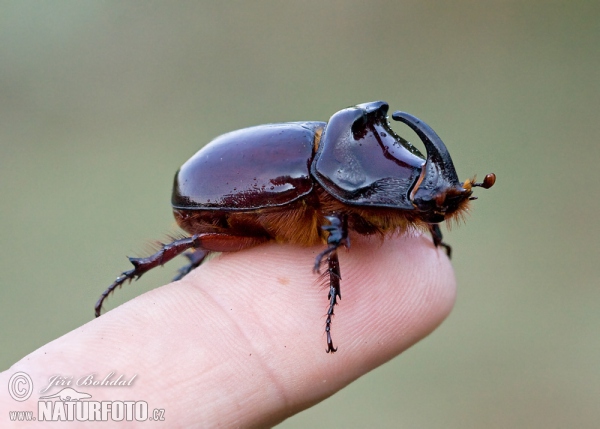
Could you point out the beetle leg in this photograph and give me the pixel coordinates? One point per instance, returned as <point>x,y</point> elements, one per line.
<point>207,242</point>
<point>334,293</point>
<point>196,258</point>
<point>436,233</point>
<point>338,235</point>
<point>142,265</point>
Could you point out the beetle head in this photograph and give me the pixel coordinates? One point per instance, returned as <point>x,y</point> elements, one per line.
<point>438,194</point>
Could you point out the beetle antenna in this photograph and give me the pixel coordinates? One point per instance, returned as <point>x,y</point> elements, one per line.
<point>487,183</point>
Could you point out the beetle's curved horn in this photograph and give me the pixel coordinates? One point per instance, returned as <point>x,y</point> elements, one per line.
<point>436,149</point>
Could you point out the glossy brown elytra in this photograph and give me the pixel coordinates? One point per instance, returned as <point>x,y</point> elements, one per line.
<point>308,183</point>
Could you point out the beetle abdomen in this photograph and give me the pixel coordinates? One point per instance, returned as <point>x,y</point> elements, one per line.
<point>299,224</point>
<point>252,168</point>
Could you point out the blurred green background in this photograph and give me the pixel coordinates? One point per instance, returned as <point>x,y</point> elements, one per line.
<point>100,102</point>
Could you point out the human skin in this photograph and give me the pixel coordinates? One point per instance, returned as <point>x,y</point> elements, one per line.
<point>240,341</point>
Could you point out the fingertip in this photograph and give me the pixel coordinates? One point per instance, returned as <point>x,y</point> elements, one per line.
<point>257,319</point>
<point>397,293</point>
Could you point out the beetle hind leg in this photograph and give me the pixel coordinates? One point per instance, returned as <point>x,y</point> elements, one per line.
<point>436,234</point>
<point>196,258</point>
<point>203,243</point>
<point>127,275</point>
<point>142,265</point>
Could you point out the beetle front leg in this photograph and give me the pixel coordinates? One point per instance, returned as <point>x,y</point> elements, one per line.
<point>436,234</point>
<point>338,235</point>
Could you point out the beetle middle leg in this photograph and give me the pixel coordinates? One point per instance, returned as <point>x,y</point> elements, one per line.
<point>338,235</point>
<point>334,293</point>
<point>436,234</point>
<point>206,242</point>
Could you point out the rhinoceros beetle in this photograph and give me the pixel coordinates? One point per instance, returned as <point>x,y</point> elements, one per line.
<point>308,183</point>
